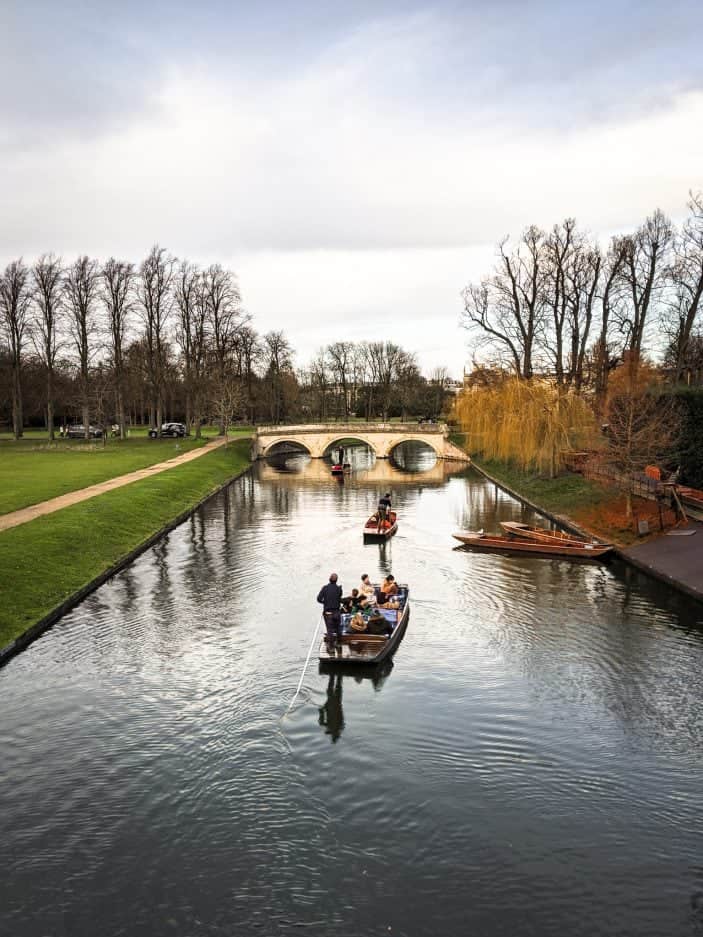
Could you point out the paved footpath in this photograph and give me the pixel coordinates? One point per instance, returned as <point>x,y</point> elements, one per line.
<point>678,560</point>
<point>15,518</point>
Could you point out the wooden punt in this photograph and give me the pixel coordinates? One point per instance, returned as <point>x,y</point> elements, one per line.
<point>371,531</point>
<point>541,535</point>
<point>364,649</point>
<point>497,543</point>
<point>342,469</point>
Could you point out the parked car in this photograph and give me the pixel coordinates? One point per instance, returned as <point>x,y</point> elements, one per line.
<point>77,431</point>
<point>169,429</point>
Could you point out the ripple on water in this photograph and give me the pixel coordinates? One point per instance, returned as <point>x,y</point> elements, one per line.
<point>530,764</point>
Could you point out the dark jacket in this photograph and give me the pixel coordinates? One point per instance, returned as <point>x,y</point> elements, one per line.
<point>330,596</point>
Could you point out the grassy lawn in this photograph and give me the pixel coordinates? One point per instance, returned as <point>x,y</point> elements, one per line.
<point>32,470</point>
<point>562,495</point>
<point>45,561</point>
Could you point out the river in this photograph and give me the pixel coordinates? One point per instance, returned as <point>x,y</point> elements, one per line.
<point>530,764</point>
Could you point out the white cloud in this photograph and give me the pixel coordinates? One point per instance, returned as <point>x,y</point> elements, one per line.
<point>346,187</point>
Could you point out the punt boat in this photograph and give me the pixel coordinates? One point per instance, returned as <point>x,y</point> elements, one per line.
<point>363,649</point>
<point>371,531</point>
<point>344,469</point>
<point>541,535</point>
<point>495,543</point>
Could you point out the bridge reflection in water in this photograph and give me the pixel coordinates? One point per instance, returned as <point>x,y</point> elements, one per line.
<point>410,463</point>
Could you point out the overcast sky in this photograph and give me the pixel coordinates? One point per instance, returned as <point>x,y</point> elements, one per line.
<point>353,163</point>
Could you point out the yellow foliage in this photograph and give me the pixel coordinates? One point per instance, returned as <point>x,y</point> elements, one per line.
<point>528,423</point>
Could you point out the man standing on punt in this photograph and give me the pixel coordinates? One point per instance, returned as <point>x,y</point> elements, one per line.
<point>331,596</point>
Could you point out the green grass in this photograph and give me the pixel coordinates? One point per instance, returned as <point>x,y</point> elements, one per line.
<point>44,562</point>
<point>32,471</point>
<point>563,495</point>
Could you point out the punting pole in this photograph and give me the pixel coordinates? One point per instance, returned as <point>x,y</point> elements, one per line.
<point>307,661</point>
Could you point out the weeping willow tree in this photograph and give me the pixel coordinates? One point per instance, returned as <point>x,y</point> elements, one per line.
<point>528,423</point>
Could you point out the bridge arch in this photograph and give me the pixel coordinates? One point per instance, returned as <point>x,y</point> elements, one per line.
<point>425,440</point>
<point>335,442</point>
<point>270,447</point>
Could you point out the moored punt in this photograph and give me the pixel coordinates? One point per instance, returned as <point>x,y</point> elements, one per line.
<point>541,535</point>
<point>371,529</point>
<point>497,543</point>
<point>359,648</point>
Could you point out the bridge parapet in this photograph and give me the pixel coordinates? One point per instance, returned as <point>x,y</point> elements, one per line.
<point>353,429</point>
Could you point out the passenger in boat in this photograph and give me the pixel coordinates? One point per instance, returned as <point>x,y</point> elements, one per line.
<point>378,624</point>
<point>354,602</point>
<point>330,596</point>
<point>367,589</point>
<point>388,588</point>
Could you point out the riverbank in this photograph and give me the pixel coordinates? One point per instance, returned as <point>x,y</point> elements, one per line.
<point>570,499</point>
<point>51,563</point>
<point>588,507</point>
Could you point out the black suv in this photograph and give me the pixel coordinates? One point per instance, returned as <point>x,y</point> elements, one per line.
<point>77,431</point>
<point>169,429</point>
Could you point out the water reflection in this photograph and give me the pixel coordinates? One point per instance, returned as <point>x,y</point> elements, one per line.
<point>331,714</point>
<point>533,767</point>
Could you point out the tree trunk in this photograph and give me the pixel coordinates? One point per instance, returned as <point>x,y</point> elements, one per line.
<point>121,419</point>
<point>85,411</point>
<point>50,404</point>
<point>17,415</point>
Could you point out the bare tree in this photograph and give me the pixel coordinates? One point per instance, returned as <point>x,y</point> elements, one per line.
<point>155,296</point>
<point>558,250</point>
<point>47,274</point>
<point>645,272</point>
<point>407,382</point>
<point>279,360</point>
<point>248,353</point>
<point>190,336</point>
<point>340,356</point>
<point>15,296</point>
<point>227,400</point>
<point>611,281</point>
<point>505,309</point>
<point>386,361</point>
<point>583,278</point>
<point>117,285</point>
<point>319,381</point>
<point>687,277</point>
<point>439,383</point>
<point>225,316</point>
<point>81,289</point>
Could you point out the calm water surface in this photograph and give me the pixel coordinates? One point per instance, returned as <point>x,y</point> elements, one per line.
<point>531,764</point>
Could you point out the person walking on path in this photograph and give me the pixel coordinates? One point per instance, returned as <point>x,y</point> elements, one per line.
<point>330,596</point>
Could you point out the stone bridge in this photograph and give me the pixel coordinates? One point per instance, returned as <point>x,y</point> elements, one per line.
<point>381,438</point>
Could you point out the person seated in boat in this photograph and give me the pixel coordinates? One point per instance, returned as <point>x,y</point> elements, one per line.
<point>367,590</point>
<point>378,624</point>
<point>388,588</point>
<point>354,602</point>
<point>358,624</point>
<point>330,596</point>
